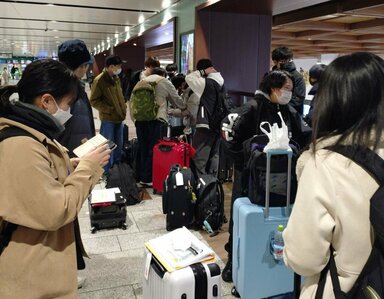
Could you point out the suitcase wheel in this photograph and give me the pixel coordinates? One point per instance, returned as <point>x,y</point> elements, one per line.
<point>235,293</point>
<point>124,226</point>
<point>154,191</point>
<point>93,229</point>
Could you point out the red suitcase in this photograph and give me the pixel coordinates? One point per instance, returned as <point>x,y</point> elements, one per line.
<point>165,154</point>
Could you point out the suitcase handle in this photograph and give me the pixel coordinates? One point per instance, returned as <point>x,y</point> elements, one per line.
<point>269,154</point>
<point>165,148</point>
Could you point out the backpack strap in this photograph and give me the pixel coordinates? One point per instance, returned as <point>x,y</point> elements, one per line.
<point>9,228</point>
<point>374,165</point>
<point>364,157</point>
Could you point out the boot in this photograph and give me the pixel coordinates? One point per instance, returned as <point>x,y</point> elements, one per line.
<point>226,275</point>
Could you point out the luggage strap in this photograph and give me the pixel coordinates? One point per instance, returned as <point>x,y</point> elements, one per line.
<point>9,227</point>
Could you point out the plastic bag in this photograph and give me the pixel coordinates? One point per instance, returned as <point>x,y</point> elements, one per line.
<point>278,137</point>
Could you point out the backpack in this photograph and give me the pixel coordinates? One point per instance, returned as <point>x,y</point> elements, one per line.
<point>143,103</point>
<point>222,107</point>
<point>210,203</point>
<point>121,175</point>
<point>370,282</point>
<point>254,174</point>
<point>8,228</point>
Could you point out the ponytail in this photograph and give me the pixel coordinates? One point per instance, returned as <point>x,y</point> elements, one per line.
<point>5,94</point>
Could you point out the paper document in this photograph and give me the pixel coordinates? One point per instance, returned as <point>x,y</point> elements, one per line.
<point>104,195</point>
<point>178,249</point>
<point>89,145</point>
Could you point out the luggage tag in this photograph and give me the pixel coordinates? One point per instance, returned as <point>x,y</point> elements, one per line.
<point>179,179</point>
<point>147,265</point>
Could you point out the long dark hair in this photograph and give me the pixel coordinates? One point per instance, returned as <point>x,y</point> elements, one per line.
<point>350,100</point>
<point>40,77</point>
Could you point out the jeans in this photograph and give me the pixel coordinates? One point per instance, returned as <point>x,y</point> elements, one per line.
<point>148,134</point>
<point>113,132</point>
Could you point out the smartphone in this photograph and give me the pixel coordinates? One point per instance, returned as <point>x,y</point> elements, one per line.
<point>111,145</point>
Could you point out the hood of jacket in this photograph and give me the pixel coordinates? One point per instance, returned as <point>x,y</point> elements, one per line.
<point>217,77</point>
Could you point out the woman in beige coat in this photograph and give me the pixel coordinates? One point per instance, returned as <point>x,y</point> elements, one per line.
<point>42,190</point>
<point>332,202</point>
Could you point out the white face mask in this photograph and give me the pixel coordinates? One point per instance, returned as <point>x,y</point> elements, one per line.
<point>62,116</point>
<point>117,72</point>
<point>285,97</point>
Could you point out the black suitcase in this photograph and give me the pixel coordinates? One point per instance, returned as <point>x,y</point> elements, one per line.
<point>179,197</point>
<point>225,170</point>
<point>108,215</point>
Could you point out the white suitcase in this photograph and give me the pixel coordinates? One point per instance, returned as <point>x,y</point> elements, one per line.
<point>198,281</point>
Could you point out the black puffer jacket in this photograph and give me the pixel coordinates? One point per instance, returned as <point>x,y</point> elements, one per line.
<point>81,125</point>
<point>246,123</point>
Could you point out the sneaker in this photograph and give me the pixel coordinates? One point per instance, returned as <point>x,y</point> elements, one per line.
<point>146,185</point>
<point>226,275</point>
<point>80,282</point>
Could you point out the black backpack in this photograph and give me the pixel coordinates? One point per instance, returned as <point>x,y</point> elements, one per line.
<point>254,174</point>
<point>370,282</point>
<point>210,203</point>
<point>222,107</point>
<point>121,175</point>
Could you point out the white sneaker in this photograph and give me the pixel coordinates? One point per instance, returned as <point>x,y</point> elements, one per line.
<point>80,282</point>
<point>145,185</point>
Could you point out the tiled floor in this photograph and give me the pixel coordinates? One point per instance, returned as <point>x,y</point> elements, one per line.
<point>115,269</point>
<point>116,265</point>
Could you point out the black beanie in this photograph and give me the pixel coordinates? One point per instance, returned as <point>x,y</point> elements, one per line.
<point>203,64</point>
<point>74,53</point>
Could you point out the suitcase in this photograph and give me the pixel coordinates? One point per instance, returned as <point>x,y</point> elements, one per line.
<point>198,281</point>
<point>108,215</point>
<point>178,197</point>
<point>165,154</point>
<point>256,274</point>
<point>225,170</point>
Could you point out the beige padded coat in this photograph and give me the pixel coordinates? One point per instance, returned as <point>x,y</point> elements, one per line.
<point>331,207</point>
<point>43,195</point>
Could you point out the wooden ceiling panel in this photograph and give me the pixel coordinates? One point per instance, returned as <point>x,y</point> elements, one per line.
<point>340,26</point>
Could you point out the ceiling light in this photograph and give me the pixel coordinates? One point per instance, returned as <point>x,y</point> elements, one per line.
<point>165,3</point>
<point>50,4</point>
<point>141,18</point>
<point>57,37</point>
<point>135,44</point>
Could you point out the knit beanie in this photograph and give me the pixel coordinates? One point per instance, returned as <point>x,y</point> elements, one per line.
<point>74,53</point>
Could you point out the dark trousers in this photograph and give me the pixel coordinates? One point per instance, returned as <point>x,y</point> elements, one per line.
<point>237,191</point>
<point>148,134</point>
<point>206,144</point>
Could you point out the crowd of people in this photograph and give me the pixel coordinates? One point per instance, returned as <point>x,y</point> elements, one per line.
<point>53,115</point>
